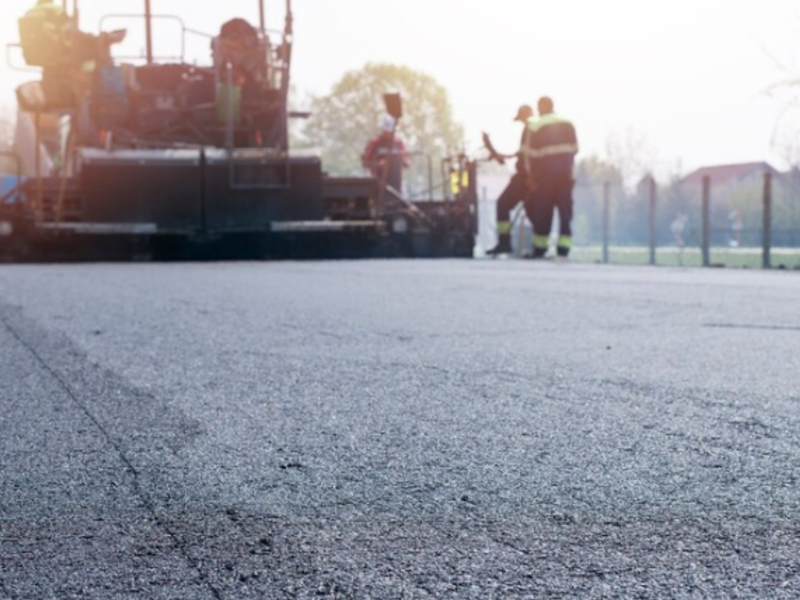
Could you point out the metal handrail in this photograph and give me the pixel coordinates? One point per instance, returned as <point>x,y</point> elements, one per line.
<point>429,160</point>
<point>12,66</point>
<point>184,31</point>
<point>165,17</point>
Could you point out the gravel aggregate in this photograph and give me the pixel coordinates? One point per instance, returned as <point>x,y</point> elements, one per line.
<point>398,430</point>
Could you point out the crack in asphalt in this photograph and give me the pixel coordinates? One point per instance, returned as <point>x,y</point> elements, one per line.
<point>147,503</point>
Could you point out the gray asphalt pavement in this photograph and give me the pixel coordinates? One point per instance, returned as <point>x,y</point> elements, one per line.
<point>388,430</point>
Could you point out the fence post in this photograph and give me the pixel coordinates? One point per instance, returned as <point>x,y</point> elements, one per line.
<point>705,241</point>
<point>606,221</point>
<point>652,216</point>
<point>767,236</point>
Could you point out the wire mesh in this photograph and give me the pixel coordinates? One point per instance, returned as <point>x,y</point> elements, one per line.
<point>664,225</point>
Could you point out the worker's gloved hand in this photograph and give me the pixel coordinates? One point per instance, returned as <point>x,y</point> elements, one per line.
<point>493,154</point>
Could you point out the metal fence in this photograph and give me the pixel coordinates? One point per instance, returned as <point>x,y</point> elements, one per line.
<point>682,226</point>
<point>689,227</point>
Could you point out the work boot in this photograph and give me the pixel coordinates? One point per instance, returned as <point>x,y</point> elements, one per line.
<point>534,255</point>
<point>503,246</point>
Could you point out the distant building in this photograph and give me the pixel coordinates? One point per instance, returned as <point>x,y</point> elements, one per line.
<point>730,175</point>
<point>736,199</point>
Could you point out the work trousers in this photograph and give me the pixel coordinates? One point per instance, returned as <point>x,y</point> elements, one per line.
<point>554,192</point>
<point>516,191</point>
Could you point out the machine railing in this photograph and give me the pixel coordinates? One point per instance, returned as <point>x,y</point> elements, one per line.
<point>271,34</point>
<point>10,50</point>
<point>163,17</point>
<point>234,182</point>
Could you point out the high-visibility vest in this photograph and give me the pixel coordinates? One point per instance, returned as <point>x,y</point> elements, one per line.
<point>53,19</point>
<point>550,138</point>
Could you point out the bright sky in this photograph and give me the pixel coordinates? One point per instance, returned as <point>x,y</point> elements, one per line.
<point>689,75</point>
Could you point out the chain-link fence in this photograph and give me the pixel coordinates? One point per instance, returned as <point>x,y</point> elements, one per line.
<point>744,224</point>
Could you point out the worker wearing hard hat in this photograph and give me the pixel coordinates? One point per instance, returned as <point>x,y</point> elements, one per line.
<point>45,6</point>
<point>550,151</point>
<point>386,155</point>
<point>517,189</point>
<point>46,33</point>
<point>50,38</point>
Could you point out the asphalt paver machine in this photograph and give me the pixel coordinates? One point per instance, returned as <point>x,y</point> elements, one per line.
<point>165,158</point>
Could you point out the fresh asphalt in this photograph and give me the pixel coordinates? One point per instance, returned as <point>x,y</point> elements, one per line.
<point>388,430</point>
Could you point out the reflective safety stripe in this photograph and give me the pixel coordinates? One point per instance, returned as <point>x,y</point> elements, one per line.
<point>459,183</point>
<point>565,241</point>
<point>550,135</point>
<point>551,151</point>
<point>535,124</point>
<point>541,241</point>
<point>504,227</point>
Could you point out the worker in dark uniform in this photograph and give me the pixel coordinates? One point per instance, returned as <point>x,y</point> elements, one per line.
<point>550,157</point>
<point>386,155</point>
<point>240,44</point>
<point>517,189</point>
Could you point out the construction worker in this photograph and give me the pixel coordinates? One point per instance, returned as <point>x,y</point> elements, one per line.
<point>240,44</point>
<point>45,33</point>
<point>517,189</point>
<point>51,38</point>
<point>550,152</point>
<point>386,155</point>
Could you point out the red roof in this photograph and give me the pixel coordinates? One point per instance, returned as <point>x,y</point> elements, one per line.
<point>724,174</point>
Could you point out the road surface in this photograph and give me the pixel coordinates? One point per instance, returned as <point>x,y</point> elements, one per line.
<point>387,430</point>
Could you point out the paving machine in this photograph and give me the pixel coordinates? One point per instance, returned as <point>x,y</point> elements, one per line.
<point>167,159</point>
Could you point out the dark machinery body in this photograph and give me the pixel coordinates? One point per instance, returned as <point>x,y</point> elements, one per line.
<point>175,160</point>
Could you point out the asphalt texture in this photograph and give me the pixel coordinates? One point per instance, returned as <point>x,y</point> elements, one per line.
<point>398,430</point>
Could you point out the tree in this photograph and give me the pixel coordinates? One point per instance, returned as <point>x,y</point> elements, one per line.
<point>632,155</point>
<point>786,135</point>
<point>786,91</point>
<point>343,121</point>
<point>592,174</point>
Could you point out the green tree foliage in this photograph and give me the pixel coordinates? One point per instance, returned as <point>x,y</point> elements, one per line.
<point>630,205</point>
<point>630,208</point>
<point>345,120</point>
<point>747,198</point>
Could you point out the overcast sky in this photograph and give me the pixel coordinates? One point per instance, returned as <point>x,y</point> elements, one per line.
<point>689,75</point>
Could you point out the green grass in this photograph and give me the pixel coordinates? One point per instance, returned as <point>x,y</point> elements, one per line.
<point>733,258</point>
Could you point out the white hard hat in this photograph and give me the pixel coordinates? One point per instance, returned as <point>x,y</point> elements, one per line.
<point>388,123</point>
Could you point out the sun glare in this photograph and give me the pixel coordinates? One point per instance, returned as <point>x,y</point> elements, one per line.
<point>691,76</point>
